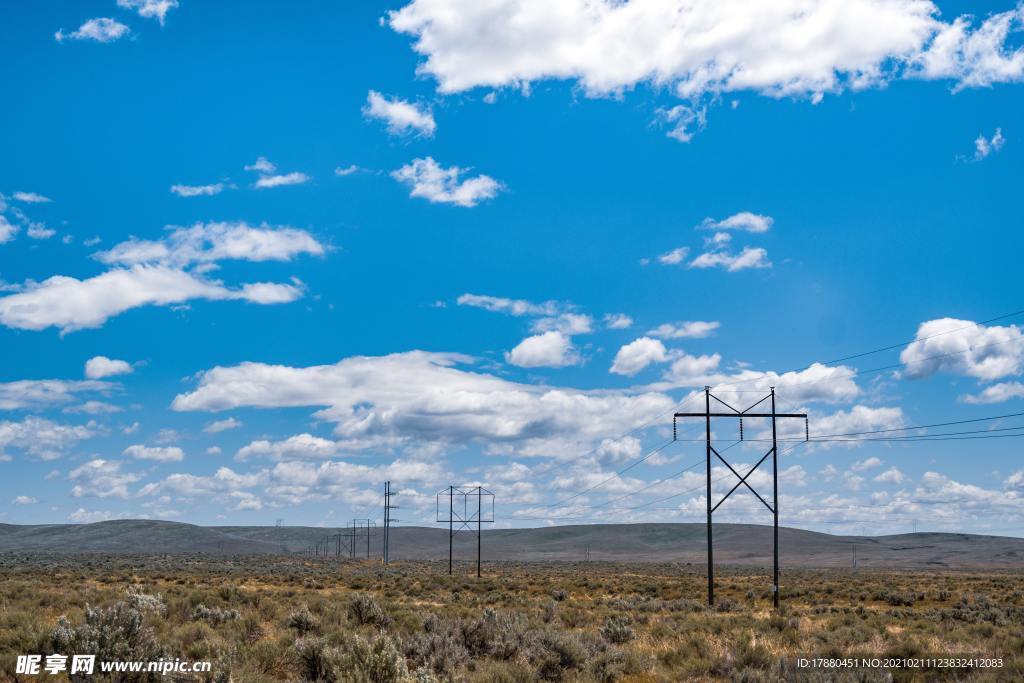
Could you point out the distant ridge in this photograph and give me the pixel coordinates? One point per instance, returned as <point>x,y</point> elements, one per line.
<point>738,544</point>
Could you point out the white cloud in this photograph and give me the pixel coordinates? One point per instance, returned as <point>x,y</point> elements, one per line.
<point>300,446</point>
<point>550,349</point>
<point>891,476</point>
<point>853,482</point>
<point>197,190</point>
<point>401,116</point>
<point>209,242</point>
<point>99,367</point>
<point>688,329</point>
<point>294,178</point>
<point>269,179</point>
<point>684,122</point>
<point>422,398</point>
<point>637,355</point>
<point>213,450</point>
<point>38,231</point>
<point>566,323</point>
<point>101,479</point>
<point>516,307</point>
<point>222,425</point>
<point>857,419</point>
<point>744,220</point>
<point>817,382</point>
<point>617,321</point>
<point>42,438</point>
<point>867,464</point>
<point>93,408</point>
<point>157,453</point>
<point>150,9</point>
<point>7,230</point>
<point>975,58</point>
<point>100,29</point>
<point>750,257</point>
<point>346,170</point>
<point>676,256</point>
<point>71,304</point>
<point>984,146</point>
<point>962,347</point>
<point>24,500</point>
<point>44,393</point>
<point>83,516</point>
<point>261,165</point>
<point>427,179</point>
<point>784,48</point>
<point>997,393</point>
<point>31,197</point>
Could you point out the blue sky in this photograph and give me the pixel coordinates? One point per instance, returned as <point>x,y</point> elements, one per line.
<point>427,270</point>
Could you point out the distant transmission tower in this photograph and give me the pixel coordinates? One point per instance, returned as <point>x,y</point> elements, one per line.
<point>460,511</point>
<point>773,451</point>
<point>388,507</point>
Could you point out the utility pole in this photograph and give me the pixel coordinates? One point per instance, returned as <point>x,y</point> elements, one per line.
<point>451,523</point>
<point>773,451</point>
<point>479,530</point>
<point>586,552</point>
<point>388,507</point>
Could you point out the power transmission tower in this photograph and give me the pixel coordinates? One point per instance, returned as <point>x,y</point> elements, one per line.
<point>773,451</point>
<point>360,526</point>
<point>388,507</point>
<point>278,522</point>
<point>464,515</point>
<point>586,552</point>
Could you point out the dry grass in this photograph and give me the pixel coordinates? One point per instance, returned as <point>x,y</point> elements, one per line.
<point>287,619</point>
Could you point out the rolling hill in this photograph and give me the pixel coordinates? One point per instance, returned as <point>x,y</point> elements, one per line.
<point>738,544</point>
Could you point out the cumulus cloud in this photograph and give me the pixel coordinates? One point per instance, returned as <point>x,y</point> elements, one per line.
<point>157,453</point>
<point>38,231</point>
<point>293,178</point>
<point>682,121</point>
<point>997,393</point>
<point>31,198</point>
<point>516,307</point>
<point>688,329</point>
<point>750,257</point>
<point>197,190</point>
<point>218,426</point>
<point>42,438</point>
<point>299,447</point>
<point>566,323</point>
<point>71,304</point>
<point>45,393</point>
<point>261,165</point>
<point>857,419</point>
<point>7,230</point>
<point>268,178</point>
<point>552,349</point>
<point>891,476</point>
<point>438,185</point>
<point>100,30</point>
<point>744,220</point>
<point>401,116</point>
<point>99,367</point>
<point>983,146</point>
<point>815,383</point>
<point>208,242</point>
<point>674,257</point>
<point>617,321</point>
<point>342,171</point>
<point>424,398</point>
<point>101,478</point>
<point>962,347</point>
<point>637,355</point>
<point>150,9</point>
<point>785,48</point>
<point>869,463</point>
